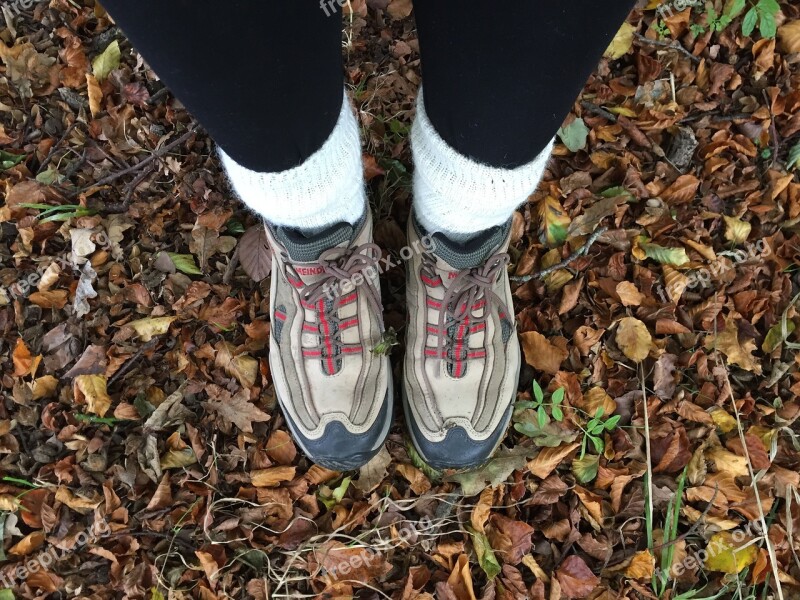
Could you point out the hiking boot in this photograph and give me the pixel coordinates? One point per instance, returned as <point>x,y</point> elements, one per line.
<point>327,317</point>
<point>462,360</point>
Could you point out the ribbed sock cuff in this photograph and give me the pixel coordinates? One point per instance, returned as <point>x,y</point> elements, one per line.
<point>459,196</point>
<point>327,188</point>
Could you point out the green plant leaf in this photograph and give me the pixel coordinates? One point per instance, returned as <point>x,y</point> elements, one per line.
<point>585,469</point>
<point>486,557</point>
<point>107,61</point>
<point>8,160</point>
<point>418,462</point>
<point>734,8</point>
<point>185,263</point>
<point>793,161</point>
<point>541,417</point>
<point>612,422</point>
<point>767,26</point>
<point>598,444</point>
<point>528,429</point>
<point>537,391</point>
<point>558,396</point>
<point>750,21</point>
<point>6,594</point>
<point>574,135</point>
<point>558,414</point>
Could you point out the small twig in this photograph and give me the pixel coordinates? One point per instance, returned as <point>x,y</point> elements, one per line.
<point>53,150</point>
<point>773,130</point>
<point>582,251</point>
<point>231,268</point>
<point>673,45</point>
<point>121,207</point>
<point>599,111</point>
<point>140,165</point>
<point>126,366</point>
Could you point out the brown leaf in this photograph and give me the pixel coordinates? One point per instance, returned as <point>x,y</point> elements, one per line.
<point>510,538</point>
<point>399,9</point>
<point>629,294</point>
<point>541,354</point>
<point>95,94</point>
<point>93,361</point>
<point>789,36</point>
<point>281,448</point>
<point>239,411</point>
<point>56,299</point>
<point>548,459</point>
<point>271,477</point>
<point>254,253</point>
<point>24,363</point>
<point>460,580</point>
<point>30,542</point>
<point>634,339</point>
<point>419,482</point>
<point>738,353</point>
<point>575,578</point>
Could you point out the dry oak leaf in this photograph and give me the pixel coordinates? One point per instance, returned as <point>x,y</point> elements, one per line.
<point>239,411</point>
<point>541,354</point>
<point>642,566</point>
<point>548,459</point>
<point>575,578</point>
<point>727,342</point>
<point>91,389</point>
<point>634,339</point>
<point>272,477</point>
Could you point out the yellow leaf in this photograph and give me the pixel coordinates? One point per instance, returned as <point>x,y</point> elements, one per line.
<point>621,43</point>
<point>91,389</point>
<point>553,222</point>
<point>95,94</point>
<point>177,459</point>
<point>726,461</point>
<point>44,387</point>
<point>789,35</point>
<point>727,342</point>
<point>629,294</point>
<point>727,554</point>
<point>676,283</point>
<point>150,327</point>
<point>634,339</point>
<point>736,230</point>
<point>642,566</point>
<point>723,420</point>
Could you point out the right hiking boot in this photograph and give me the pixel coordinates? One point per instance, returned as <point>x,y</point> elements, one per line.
<point>325,302</point>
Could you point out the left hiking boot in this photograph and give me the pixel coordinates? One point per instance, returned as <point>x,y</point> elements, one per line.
<point>462,358</point>
<point>336,393</point>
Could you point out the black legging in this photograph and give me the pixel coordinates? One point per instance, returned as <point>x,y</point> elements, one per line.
<point>265,77</point>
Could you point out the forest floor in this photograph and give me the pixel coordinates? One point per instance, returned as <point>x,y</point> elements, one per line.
<point>141,450</point>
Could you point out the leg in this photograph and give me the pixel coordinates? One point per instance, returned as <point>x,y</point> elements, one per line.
<point>497,85</point>
<point>265,79</point>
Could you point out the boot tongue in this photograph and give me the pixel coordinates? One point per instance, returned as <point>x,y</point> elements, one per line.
<point>307,248</point>
<point>470,253</point>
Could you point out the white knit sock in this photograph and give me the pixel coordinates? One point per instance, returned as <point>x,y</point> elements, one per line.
<point>327,188</point>
<point>459,196</point>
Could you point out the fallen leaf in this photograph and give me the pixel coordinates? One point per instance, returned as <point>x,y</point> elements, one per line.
<point>150,327</point>
<point>622,42</point>
<point>272,477</point>
<point>548,459</point>
<point>541,354</point>
<point>91,389</point>
<point>727,555</point>
<point>634,339</point>
<point>575,578</point>
<point>629,294</point>
<point>254,253</point>
<point>727,342</point>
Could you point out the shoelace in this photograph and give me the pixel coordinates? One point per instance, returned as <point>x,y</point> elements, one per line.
<point>340,265</point>
<point>465,290</point>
